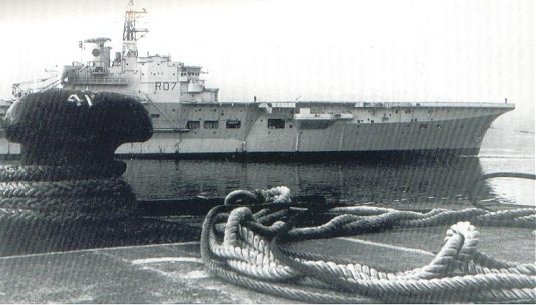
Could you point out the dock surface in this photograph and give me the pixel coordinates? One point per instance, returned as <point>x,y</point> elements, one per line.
<point>174,273</point>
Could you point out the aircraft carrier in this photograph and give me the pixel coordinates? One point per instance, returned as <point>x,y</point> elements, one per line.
<point>189,120</point>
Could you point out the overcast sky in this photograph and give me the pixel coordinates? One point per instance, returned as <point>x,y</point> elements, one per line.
<point>390,50</point>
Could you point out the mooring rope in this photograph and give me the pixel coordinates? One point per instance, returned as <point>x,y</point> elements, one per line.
<point>249,245</point>
<point>46,208</point>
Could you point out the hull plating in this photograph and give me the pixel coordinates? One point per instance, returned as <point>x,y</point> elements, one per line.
<point>415,133</point>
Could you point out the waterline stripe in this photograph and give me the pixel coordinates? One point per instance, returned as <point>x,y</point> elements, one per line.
<point>378,244</point>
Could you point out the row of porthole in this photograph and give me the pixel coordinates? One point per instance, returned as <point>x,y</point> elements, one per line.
<point>405,111</point>
<point>372,121</point>
<point>201,110</point>
<point>290,126</point>
<point>422,126</point>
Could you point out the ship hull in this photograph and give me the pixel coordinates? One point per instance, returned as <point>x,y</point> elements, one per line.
<point>348,139</point>
<point>339,138</point>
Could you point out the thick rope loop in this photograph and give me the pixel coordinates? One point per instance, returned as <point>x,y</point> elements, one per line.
<point>51,208</point>
<point>249,246</point>
<point>280,194</point>
<point>55,173</point>
<point>66,188</point>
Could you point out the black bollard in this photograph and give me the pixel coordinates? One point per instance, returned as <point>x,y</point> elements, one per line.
<point>67,193</point>
<point>76,128</point>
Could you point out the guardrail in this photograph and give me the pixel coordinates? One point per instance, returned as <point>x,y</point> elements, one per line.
<point>100,81</point>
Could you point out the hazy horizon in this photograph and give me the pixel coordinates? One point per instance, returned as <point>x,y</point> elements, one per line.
<point>470,51</point>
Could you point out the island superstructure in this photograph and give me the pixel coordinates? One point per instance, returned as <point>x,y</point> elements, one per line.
<point>189,119</point>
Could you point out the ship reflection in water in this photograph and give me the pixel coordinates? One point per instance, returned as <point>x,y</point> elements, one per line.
<point>396,183</point>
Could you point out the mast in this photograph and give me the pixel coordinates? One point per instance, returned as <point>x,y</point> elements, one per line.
<point>130,32</point>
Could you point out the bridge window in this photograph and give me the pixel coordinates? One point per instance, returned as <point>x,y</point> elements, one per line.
<point>276,123</point>
<point>211,124</point>
<point>233,124</point>
<point>193,124</point>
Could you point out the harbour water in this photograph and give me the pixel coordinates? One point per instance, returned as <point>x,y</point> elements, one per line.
<point>424,183</point>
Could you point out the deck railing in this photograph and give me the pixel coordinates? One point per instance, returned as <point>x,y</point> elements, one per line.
<point>100,81</point>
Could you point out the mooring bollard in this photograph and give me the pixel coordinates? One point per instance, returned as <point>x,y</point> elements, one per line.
<point>67,193</point>
<point>62,127</point>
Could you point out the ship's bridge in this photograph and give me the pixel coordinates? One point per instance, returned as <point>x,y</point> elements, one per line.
<point>190,73</point>
<point>164,80</point>
<point>97,54</point>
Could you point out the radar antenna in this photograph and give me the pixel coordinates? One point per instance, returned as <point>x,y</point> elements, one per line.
<point>130,32</point>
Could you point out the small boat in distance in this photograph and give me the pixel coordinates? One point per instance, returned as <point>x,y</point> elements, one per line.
<point>190,121</point>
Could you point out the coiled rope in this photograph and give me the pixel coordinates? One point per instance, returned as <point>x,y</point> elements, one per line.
<point>49,208</point>
<point>249,246</point>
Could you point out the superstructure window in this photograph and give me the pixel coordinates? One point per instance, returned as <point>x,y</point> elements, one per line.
<point>193,124</point>
<point>211,124</point>
<point>233,124</point>
<point>276,123</point>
